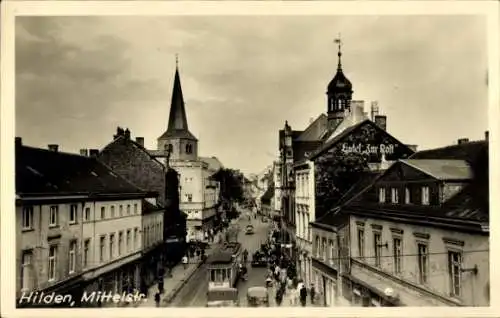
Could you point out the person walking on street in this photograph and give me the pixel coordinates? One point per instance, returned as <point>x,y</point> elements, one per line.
<point>160,285</point>
<point>157,299</point>
<point>279,297</point>
<point>313,294</point>
<point>184,261</point>
<point>303,295</point>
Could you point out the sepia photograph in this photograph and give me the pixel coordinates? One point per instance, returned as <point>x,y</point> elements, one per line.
<point>249,160</point>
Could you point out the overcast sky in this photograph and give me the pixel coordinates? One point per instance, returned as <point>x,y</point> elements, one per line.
<point>78,78</point>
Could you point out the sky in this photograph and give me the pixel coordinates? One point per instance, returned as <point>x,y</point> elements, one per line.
<point>78,78</point>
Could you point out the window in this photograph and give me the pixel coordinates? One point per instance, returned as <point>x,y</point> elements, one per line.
<point>136,210</point>
<point>86,253</point>
<point>72,257</point>
<point>454,267</point>
<point>323,249</point>
<point>120,210</point>
<point>129,247</point>
<point>111,245</point>
<point>361,242</point>
<point>112,211</point>
<point>425,195</point>
<point>102,241</point>
<point>189,197</point>
<point>189,148</point>
<point>407,196</point>
<point>136,238</point>
<point>128,209</point>
<point>316,243</point>
<point>381,195</point>
<point>87,214</point>
<point>120,242</point>
<point>72,214</point>
<point>423,259</point>
<point>394,195</point>
<point>52,262</point>
<point>27,218</point>
<point>396,245</point>
<point>332,257</point>
<point>103,212</point>
<point>54,211</point>
<point>377,241</point>
<point>26,270</point>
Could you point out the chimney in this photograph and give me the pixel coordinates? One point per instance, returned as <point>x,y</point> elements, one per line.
<point>463,141</point>
<point>84,152</point>
<point>140,141</point>
<point>381,121</point>
<point>19,141</point>
<point>487,135</point>
<point>119,132</point>
<point>93,152</point>
<point>127,133</point>
<point>53,147</point>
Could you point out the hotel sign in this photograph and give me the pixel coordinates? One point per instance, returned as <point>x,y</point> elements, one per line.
<point>366,149</point>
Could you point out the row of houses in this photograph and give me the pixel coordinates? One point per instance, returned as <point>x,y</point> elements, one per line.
<point>371,221</point>
<point>111,220</point>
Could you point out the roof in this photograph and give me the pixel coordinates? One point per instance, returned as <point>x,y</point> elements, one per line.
<point>177,119</point>
<point>213,163</point>
<point>43,172</point>
<point>268,195</point>
<point>126,140</point>
<point>304,149</point>
<point>150,207</point>
<point>365,182</point>
<point>225,254</point>
<point>315,130</point>
<point>326,146</point>
<point>441,169</point>
<point>466,151</point>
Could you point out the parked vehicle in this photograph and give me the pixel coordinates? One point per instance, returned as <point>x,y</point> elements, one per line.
<point>259,259</point>
<point>258,297</point>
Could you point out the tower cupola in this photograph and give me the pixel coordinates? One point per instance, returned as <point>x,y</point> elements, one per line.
<point>339,93</point>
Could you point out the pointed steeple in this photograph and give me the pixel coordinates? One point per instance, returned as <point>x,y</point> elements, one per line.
<point>177,119</point>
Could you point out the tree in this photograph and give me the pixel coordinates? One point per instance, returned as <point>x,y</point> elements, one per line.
<point>231,182</point>
<point>335,174</point>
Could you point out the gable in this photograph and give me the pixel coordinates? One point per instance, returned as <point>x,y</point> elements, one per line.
<point>403,172</point>
<point>368,139</point>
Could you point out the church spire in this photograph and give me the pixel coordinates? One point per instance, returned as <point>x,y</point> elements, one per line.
<point>177,119</point>
<point>339,54</point>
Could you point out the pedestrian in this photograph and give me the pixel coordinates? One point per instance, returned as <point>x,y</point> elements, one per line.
<point>303,295</point>
<point>313,293</point>
<point>184,261</point>
<point>160,285</point>
<point>157,299</point>
<point>279,297</point>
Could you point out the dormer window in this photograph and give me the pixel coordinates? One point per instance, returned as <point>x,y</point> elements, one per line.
<point>381,195</point>
<point>425,195</point>
<point>394,195</point>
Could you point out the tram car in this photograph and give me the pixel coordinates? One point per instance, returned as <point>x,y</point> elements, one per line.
<point>223,266</point>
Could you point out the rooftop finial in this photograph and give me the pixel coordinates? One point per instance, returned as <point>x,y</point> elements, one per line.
<point>339,42</point>
<point>176,60</point>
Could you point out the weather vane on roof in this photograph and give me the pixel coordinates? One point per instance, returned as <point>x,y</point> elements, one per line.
<point>176,60</point>
<point>338,41</point>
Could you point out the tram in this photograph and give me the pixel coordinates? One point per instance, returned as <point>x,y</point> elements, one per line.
<point>223,275</point>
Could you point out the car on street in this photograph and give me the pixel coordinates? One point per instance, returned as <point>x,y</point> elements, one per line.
<point>249,230</point>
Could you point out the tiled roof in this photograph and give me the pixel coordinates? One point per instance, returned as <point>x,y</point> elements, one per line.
<point>43,172</point>
<point>304,149</point>
<point>150,207</point>
<point>178,133</point>
<point>315,130</point>
<point>445,169</point>
<point>125,140</point>
<point>364,183</point>
<point>338,138</point>
<point>466,151</point>
<point>213,163</point>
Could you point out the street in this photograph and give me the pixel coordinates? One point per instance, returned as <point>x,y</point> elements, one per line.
<point>194,292</point>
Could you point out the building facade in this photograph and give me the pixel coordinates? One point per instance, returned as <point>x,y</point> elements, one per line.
<point>179,147</point>
<point>417,235</point>
<point>65,204</point>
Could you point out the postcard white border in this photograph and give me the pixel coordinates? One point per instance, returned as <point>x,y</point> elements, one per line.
<point>10,9</point>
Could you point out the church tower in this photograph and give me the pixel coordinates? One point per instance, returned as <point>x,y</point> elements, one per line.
<point>182,144</point>
<point>339,94</point>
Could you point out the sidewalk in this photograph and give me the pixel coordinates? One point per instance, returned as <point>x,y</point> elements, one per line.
<point>172,285</point>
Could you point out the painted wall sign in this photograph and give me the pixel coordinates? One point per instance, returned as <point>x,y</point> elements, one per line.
<point>367,149</point>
